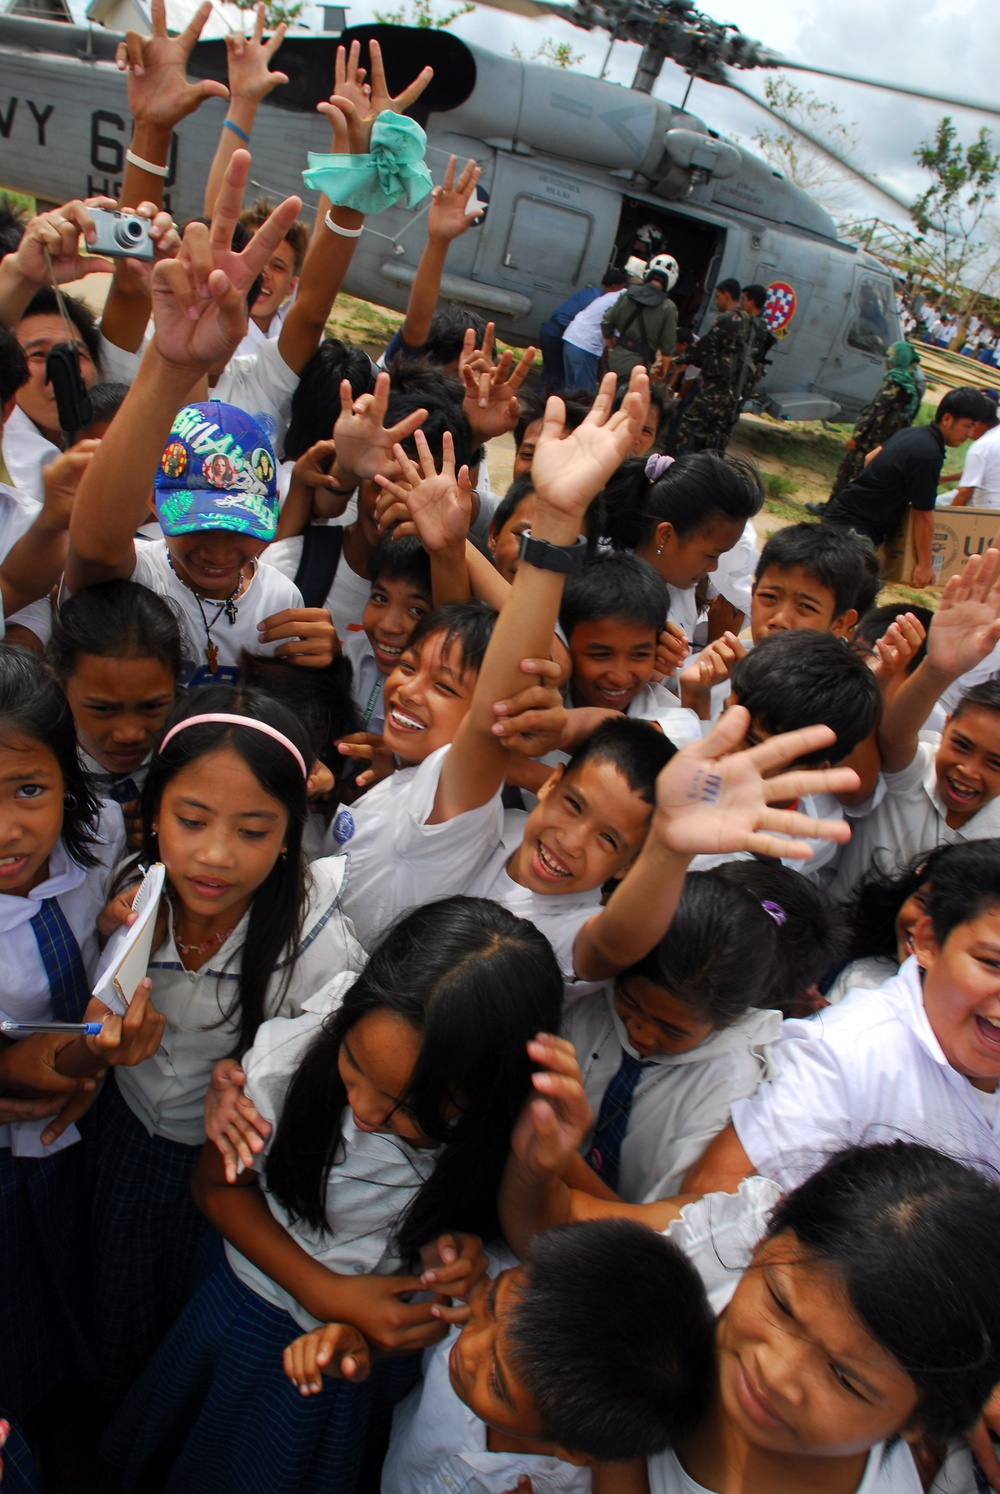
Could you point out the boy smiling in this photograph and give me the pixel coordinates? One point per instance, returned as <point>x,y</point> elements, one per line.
<point>938,788</point>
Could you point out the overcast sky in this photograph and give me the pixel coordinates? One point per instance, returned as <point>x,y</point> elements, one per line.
<point>946,45</point>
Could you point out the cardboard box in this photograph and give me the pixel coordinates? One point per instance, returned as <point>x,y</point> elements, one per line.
<point>958,533</point>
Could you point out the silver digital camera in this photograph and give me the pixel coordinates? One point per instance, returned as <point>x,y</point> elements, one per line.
<point>120,234</point>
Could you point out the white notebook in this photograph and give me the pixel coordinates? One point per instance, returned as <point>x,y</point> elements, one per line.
<point>126,954</point>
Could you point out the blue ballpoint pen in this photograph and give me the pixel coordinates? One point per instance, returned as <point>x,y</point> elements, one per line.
<point>85,1029</point>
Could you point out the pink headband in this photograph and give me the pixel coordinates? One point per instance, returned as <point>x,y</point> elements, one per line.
<point>225,719</point>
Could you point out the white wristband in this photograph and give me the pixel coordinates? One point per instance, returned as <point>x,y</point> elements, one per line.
<point>153,170</point>
<point>345,233</point>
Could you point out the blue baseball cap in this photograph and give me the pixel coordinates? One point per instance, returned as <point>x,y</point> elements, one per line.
<point>217,471</point>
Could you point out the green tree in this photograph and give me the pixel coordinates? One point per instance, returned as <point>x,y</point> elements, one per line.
<point>952,214</point>
<point>275,13</point>
<point>422,14</point>
<point>809,167</point>
<point>555,54</point>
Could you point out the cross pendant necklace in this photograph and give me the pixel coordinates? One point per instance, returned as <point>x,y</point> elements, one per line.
<point>228,607</point>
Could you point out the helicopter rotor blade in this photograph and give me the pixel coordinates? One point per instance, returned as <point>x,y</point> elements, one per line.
<point>821,145</point>
<point>535,8</point>
<point>979,106</point>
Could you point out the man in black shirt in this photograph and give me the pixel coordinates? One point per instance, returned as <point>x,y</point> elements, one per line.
<point>906,472</point>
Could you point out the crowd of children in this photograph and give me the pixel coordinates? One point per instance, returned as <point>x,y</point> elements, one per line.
<point>568,1057</point>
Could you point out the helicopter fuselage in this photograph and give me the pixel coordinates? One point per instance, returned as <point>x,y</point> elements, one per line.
<point>579,174</point>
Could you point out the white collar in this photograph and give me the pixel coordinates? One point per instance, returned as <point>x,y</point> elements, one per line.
<point>64,875</point>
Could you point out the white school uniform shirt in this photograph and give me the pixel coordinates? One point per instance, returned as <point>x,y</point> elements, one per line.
<point>268,592</point>
<point>559,915</point>
<point>438,1445</point>
<point>262,384</point>
<point>167,1092</point>
<point>348,595</point>
<point>656,703</point>
<point>909,819</point>
<point>24,991</point>
<point>733,577</point>
<point>869,1069</point>
<point>369,1187</point>
<point>18,512</point>
<point>982,470</point>
<point>887,1471</point>
<point>254,336</point>
<point>118,366</point>
<point>397,861</point>
<point>584,331</point>
<point>25,452</point>
<point>368,686</point>
<point>866,974</point>
<point>986,669</point>
<point>681,1101</point>
<point>718,1234</point>
<point>683,610</point>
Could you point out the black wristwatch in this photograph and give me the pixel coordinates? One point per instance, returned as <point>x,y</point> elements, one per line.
<point>544,556</point>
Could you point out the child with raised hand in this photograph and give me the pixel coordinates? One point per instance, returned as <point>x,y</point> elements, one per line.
<point>367,428</point>
<point>392,1100</point>
<point>116,651</point>
<point>57,853</point>
<point>213,467</point>
<point>551,866</point>
<point>938,789</point>
<point>247,933</point>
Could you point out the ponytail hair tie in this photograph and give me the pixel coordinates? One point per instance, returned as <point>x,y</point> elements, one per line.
<point>656,466</point>
<point>775,911</point>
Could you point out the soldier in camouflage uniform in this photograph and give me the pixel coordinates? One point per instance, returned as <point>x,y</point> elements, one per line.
<point>713,411</point>
<point>760,341</point>
<point>893,408</point>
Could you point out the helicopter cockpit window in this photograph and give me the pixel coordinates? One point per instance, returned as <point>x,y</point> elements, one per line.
<point>869,331</point>
<point>547,242</point>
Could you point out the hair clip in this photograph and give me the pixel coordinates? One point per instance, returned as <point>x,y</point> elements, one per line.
<point>776,911</point>
<point>657,465</point>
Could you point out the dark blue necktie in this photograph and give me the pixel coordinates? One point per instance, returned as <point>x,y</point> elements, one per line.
<point>69,987</point>
<point>605,1152</point>
<point>119,790</point>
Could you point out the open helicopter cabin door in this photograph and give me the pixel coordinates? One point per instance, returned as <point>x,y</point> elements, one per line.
<point>645,229</point>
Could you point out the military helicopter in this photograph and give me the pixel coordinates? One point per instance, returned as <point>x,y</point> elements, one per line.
<point>579,174</point>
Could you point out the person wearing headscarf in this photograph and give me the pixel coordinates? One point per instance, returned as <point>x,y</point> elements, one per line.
<point>893,408</point>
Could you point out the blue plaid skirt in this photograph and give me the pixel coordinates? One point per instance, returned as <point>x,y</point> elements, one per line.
<point>152,1246</point>
<point>216,1392</point>
<point>44,1318</point>
<point>19,1476</point>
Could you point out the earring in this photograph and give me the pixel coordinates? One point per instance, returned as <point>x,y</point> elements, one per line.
<point>283,853</point>
<point>659,549</point>
<point>69,801</point>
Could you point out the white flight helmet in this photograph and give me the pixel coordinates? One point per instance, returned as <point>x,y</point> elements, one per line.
<point>665,265</point>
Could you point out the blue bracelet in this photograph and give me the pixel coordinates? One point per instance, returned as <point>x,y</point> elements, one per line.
<point>236,130</point>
